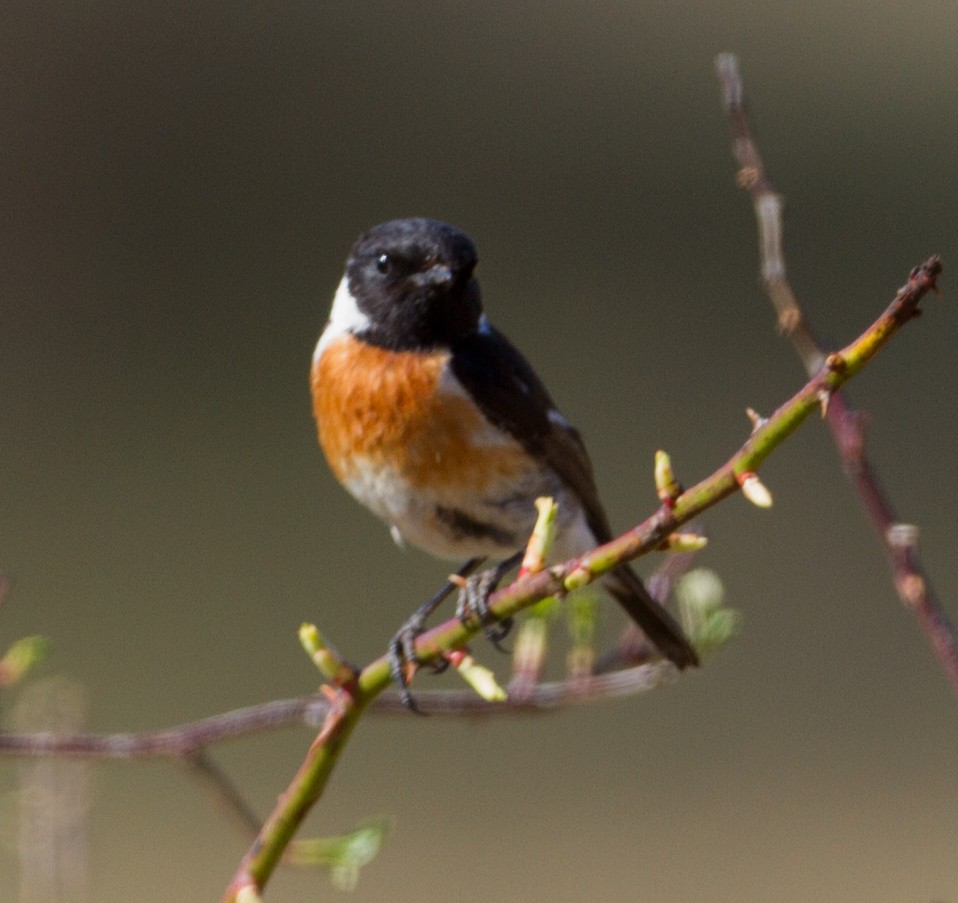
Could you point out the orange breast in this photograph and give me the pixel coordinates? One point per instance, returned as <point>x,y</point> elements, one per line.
<point>398,412</point>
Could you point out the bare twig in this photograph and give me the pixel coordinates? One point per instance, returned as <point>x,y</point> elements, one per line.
<point>899,541</point>
<point>184,741</point>
<point>188,742</point>
<point>222,790</point>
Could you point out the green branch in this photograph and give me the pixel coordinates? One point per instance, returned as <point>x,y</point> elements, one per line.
<point>349,701</point>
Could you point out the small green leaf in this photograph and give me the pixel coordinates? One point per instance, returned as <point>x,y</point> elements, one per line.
<point>21,657</point>
<point>708,623</point>
<point>344,855</point>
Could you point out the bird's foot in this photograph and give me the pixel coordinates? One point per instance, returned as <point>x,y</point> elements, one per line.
<point>473,603</point>
<point>403,659</point>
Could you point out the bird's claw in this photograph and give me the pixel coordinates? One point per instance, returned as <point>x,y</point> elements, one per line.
<point>404,661</point>
<point>473,604</point>
<point>474,593</point>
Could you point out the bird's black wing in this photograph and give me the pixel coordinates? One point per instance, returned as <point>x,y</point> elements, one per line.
<point>505,387</point>
<point>507,390</point>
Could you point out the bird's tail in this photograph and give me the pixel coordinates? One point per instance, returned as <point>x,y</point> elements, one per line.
<point>657,624</point>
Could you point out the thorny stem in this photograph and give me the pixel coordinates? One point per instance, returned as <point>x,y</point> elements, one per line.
<point>347,704</point>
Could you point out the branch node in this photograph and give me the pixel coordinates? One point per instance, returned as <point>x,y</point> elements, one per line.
<point>911,588</point>
<point>667,486</point>
<point>685,542</point>
<point>754,489</point>
<point>836,363</point>
<point>248,893</point>
<point>542,537</point>
<point>580,576</point>
<point>902,536</point>
<point>756,419</point>
<point>824,396</point>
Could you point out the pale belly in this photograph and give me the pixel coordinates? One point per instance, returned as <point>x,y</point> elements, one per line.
<point>482,518</point>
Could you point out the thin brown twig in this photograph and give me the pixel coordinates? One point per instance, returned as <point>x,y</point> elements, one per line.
<point>188,741</point>
<point>222,790</point>
<point>899,541</point>
<point>183,741</point>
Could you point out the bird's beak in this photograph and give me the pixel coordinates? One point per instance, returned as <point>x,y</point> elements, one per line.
<point>436,276</point>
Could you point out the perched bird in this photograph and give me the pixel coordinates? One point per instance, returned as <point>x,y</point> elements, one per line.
<point>431,418</point>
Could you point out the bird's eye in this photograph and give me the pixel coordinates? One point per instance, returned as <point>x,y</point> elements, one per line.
<point>396,265</point>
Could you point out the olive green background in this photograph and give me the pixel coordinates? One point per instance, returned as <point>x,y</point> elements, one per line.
<point>179,186</point>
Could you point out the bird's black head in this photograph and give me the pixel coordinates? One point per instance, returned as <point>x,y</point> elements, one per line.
<point>413,281</point>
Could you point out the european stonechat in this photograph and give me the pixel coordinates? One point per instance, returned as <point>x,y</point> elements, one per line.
<point>432,419</point>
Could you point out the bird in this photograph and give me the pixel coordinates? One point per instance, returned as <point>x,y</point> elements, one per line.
<point>432,419</point>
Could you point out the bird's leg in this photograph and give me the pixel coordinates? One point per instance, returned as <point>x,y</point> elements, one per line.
<point>402,647</point>
<point>474,600</point>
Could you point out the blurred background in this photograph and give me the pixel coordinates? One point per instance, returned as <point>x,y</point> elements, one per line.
<point>180,186</point>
